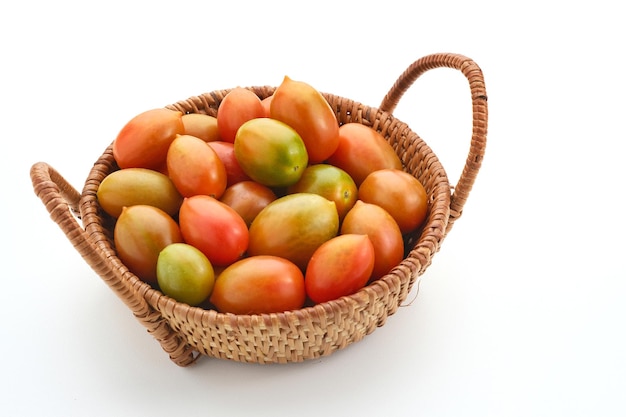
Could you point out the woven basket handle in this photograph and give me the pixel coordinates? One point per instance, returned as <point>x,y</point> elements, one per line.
<point>62,202</point>
<point>479,108</point>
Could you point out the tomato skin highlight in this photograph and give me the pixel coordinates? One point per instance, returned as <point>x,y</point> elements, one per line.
<point>143,142</point>
<point>214,228</point>
<point>258,285</point>
<point>305,109</point>
<point>341,266</point>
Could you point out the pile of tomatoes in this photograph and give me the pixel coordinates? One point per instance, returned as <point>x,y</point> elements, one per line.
<point>269,206</point>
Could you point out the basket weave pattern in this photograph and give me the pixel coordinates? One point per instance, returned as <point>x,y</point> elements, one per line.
<point>187,333</point>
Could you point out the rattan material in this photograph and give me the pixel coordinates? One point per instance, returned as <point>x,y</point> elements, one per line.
<point>187,333</point>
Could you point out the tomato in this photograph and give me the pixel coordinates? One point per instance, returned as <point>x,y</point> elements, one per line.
<point>237,107</point>
<point>132,186</point>
<point>214,228</point>
<point>330,182</point>
<point>200,125</point>
<point>185,274</point>
<point>143,142</point>
<point>305,109</point>
<point>226,152</point>
<point>398,192</point>
<point>362,150</point>
<point>140,234</point>
<point>258,285</point>
<point>340,266</point>
<point>267,101</point>
<point>195,168</point>
<point>293,227</point>
<point>270,152</point>
<point>248,198</point>
<point>383,231</point>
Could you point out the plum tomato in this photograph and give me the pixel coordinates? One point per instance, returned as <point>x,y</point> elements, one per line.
<point>267,101</point>
<point>341,266</point>
<point>237,107</point>
<point>195,167</point>
<point>305,109</point>
<point>293,227</point>
<point>383,231</point>
<point>248,198</point>
<point>214,228</point>
<point>143,141</point>
<point>140,234</point>
<point>201,125</point>
<point>185,274</point>
<point>330,182</point>
<point>226,152</point>
<point>270,152</point>
<point>132,186</point>
<point>398,192</point>
<point>362,150</point>
<point>259,285</point>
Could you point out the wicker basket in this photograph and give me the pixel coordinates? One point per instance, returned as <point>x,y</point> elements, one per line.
<point>187,333</point>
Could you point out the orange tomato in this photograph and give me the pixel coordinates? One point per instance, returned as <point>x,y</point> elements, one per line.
<point>248,198</point>
<point>195,168</point>
<point>143,142</point>
<point>267,101</point>
<point>339,267</point>
<point>306,110</point>
<point>362,150</point>
<point>214,228</point>
<point>398,192</point>
<point>258,285</point>
<point>140,233</point>
<point>375,222</point>
<point>201,126</point>
<point>237,107</point>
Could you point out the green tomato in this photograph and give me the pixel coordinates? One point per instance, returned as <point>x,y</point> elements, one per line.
<point>185,274</point>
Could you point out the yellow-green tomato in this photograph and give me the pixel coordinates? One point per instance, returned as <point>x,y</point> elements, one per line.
<point>133,186</point>
<point>185,274</point>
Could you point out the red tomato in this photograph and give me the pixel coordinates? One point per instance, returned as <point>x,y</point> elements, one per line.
<point>267,101</point>
<point>305,109</point>
<point>226,153</point>
<point>140,233</point>
<point>195,168</point>
<point>237,107</point>
<point>214,228</point>
<point>398,192</point>
<point>248,198</point>
<point>383,231</point>
<point>362,150</point>
<point>143,142</point>
<point>340,266</point>
<point>257,285</point>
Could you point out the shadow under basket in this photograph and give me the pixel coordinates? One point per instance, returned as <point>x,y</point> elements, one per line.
<point>188,333</point>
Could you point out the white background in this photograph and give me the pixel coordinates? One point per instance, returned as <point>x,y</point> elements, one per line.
<point>523,310</point>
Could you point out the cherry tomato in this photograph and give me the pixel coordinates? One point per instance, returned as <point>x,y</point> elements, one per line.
<point>140,234</point>
<point>248,198</point>
<point>293,227</point>
<point>306,110</point>
<point>341,266</point>
<point>259,284</point>
<point>195,168</point>
<point>383,231</point>
<point>362,150</point>
<point>226,152</point>
<point>143,142</point>
<point>214,228</point>
<point>201,126</point>
<point>398,192</point>
<point>237,107</point>
<point>132,186</point>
